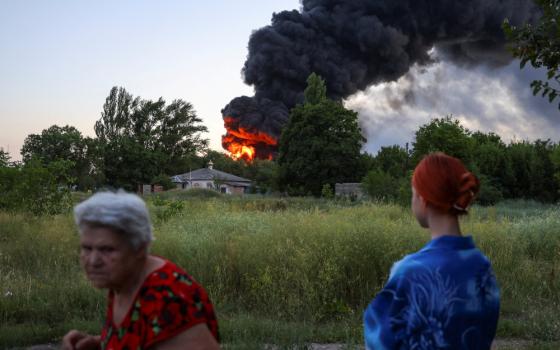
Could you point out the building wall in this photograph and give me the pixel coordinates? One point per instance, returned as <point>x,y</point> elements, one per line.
<point>237,190</point>
<point>352,190</point>
<point>224,188</point>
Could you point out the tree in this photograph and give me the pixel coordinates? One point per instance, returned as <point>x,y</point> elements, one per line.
<point>163,181</point>
<point>36,188</point>
<point>380,185</point>
<point>316,90</point>
<point>492,166</point>
<point>53,144</point>
<point>4,158</point>
<point>555,159</point>
<point>320,144</point>
<point>393,160</point>
<point>444,135</point>
<point>533,170</point>
<point>140,139</point>
<point>539,44</point>
<point>263,173</point>
<point>57,143</point>
<point>224,163</point>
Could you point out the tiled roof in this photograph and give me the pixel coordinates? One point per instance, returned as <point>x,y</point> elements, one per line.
<point>208,174</point>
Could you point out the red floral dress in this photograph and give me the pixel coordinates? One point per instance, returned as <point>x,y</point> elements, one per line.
<point>168,302</point>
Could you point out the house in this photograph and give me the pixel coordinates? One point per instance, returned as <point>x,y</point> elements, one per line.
<point>211,178</point>
<point>351,190</point>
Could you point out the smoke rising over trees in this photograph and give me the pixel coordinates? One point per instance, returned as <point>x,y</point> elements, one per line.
<point>354,44</point>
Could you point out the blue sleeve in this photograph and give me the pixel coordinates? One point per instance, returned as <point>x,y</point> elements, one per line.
<point>380,332</point>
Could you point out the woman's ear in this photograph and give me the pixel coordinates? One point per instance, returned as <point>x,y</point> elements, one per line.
<point>143,250</point>
<point>423,202</point>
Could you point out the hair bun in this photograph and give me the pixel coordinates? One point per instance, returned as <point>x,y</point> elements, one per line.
<point>445,183</point>
<point>468,189</point>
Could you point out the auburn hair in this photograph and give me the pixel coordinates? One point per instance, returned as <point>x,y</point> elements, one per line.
<point>445,183</point>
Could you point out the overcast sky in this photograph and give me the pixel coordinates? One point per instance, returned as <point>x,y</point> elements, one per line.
<point>59,59</point>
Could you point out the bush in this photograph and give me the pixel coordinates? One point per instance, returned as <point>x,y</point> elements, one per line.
<point>379,185</point>
<point>489,193</point>
<point>164,181</point>
<point>327,192</point>
<point>35,188</point>
<point>201,193</point>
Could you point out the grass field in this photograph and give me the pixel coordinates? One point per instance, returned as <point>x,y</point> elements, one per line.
<point>280,271</point>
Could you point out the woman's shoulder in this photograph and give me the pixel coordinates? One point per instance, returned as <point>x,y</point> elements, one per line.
<point>170,275</point>
<point>171,301</point>
<point>409,264</point>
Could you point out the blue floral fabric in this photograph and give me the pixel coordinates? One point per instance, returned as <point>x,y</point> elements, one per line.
<point>445,296</point>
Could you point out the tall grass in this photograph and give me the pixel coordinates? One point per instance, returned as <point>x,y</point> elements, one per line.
<point>279,262</point>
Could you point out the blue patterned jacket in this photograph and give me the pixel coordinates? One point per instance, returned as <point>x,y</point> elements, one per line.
<point>445,296</point>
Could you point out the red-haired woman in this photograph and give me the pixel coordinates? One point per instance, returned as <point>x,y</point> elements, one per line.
<point>444,296</point>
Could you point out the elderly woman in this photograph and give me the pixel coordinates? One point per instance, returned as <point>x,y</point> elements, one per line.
<point>444,296</point>
<point>152,303</point>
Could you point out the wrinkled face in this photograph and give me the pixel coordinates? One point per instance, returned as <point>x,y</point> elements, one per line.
<point>419,205</point>
<point>107,258</point>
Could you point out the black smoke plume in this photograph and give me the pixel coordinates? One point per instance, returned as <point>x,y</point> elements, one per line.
<point>353,44</point>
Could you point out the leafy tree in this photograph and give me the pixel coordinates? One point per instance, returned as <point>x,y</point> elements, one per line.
<point>381,185</point>
<point>490,193</point>
<point>320,144</point>
<point>544,187</point>
<point>445,135</point>
<point>164,181</point>
<point>263,173</point>
<point>539,44</point>
<point>140,139</point>
<point>394,160</point>
<point>533,171</point>
<point>60,144</point>
<point>555,159</point>
<point>36,188</point>
<point>493,166</point>
<point>316,91</point>
<point>53,144</point>
<point>367,163</point>
<point>4,158</point>
<point>224,163</point>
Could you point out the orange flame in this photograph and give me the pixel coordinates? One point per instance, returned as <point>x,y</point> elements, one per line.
<point>239,151</point>
<point>242,143</point>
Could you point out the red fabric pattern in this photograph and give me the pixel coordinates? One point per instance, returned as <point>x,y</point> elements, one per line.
<point>168,303</point>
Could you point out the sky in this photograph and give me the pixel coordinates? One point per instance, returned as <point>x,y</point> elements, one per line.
<point>59,60</point>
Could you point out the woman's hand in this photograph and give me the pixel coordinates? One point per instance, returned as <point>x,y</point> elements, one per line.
<point>75,340</point>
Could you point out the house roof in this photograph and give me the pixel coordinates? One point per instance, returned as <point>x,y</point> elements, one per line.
<point>209,174</point>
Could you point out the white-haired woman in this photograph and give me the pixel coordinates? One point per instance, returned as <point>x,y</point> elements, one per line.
<point>152,303</point>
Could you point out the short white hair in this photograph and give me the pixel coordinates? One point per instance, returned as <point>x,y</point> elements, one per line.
<point>124,212</point>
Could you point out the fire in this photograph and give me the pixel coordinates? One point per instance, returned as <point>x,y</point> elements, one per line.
<point>246,144</point>
<point>239,151</point>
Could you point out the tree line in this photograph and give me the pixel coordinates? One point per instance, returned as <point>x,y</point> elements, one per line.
<point>321,145</point>
<point>142,141</point>
<point>517,170</point>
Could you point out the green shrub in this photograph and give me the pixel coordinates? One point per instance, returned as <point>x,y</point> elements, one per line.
<point>327,191</point>
<point>164,181</point>
<point>489,193</point>
<point>35,188</point>
<point>380,185</point>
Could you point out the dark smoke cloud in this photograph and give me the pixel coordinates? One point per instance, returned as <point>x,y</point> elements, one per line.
<point>354,44</point>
